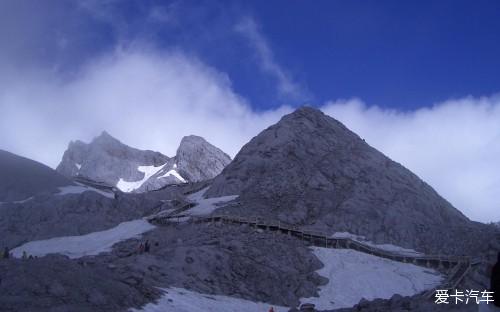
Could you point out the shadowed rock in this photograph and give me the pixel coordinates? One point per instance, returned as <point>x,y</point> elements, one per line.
<point>310,170</point>
<point>21,178</point>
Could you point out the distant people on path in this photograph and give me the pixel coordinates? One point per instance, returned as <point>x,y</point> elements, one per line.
<point>146,247</point>
<point>25,255</point>
<point>141,248</point>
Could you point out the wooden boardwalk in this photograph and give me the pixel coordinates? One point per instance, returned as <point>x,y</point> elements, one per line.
<point>455,267</point>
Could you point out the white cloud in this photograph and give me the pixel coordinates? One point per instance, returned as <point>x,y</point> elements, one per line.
<point>150,100</point>
<point>286,86</point>
<point>146,99</point>
<point>454,146</point>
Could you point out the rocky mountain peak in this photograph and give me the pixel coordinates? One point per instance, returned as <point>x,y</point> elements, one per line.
<point>106,159</point>
<point>106,138</point>
<point>199,160</point>
<point>312,171</point>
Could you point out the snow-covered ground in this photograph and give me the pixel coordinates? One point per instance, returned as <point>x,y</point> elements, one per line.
<point>80,188</point>
<point>149,171</point>
<point>205,206</point>
<point>182,300</point>
<point>85,245</point>
<point>355,275</point>
<point>387,247</point>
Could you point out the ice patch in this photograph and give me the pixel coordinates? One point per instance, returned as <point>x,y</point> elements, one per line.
<point>78,189</point>
<point>85,245</point>
<point>79,166</point>
<point>149,171</point>
<point>175,174</point>
<point>205,206</point>
<point>354,275</point>
<point>386,247</point>
<point>183,300</point>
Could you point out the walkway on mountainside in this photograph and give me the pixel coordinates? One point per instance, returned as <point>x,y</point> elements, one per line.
<point>456,267</point>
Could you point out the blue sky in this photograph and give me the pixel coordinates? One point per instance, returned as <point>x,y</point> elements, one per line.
<point>418,80</point>
<point>398,54</point>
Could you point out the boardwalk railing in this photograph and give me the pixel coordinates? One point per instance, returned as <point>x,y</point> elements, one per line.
<point>456,267</point>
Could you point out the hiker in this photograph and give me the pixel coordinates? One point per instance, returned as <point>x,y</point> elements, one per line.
<point>271,309</point>
<point>495,282</point>
<point>30,257</point>
<point>147,246</point>
<point>6,253</point>
<point>141,248</point>
<point>25,255</point>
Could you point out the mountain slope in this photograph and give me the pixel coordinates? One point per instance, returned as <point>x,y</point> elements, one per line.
<point>21,178</point>
<point>108,160</point>
<point>310,170</point>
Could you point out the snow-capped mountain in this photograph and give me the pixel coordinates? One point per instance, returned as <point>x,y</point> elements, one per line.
<point>108,160</point>
<point>307,171</point>
<point>21,178</point>
<point>310,170</point>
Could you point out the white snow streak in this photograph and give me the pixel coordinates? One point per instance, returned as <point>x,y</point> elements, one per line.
<point>149,171</point>
<point>183,300</point>
<point>78,189</point>
<point>175,174</point>
<point>85,245</point>
<point>355,275</point>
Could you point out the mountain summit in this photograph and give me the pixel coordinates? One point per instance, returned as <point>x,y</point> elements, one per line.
<point>198,160</point>
<point>312,171</point>
<point>108,160</point>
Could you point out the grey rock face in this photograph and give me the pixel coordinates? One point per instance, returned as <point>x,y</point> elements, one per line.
<point>108,160</point>
<point>231,260</point>
<point>21,178</point>
<point>198,160</point>
<point>57,284</point>
<point>48,216</point>
<point>310,170</point>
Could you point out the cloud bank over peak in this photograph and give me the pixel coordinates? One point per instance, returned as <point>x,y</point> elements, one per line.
<point>453,145</point>
<point>147,99</point>
<point>151,99</point>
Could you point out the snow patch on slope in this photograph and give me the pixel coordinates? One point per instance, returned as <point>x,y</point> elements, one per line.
<point>205,206</point>
<point>386,247</point>
<point>355,275</point>
<point>149,171</point>
<point>85,245</point>
<point>183,300</point>
<point>78,189</point>
<point>174,173</point>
